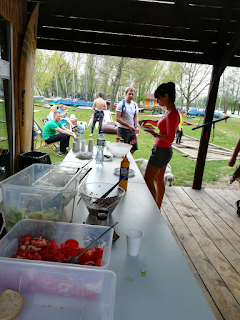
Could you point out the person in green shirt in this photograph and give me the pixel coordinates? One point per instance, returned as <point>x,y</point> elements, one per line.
<point>54,131</point>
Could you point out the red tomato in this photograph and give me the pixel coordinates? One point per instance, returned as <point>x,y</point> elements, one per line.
<point>98,262</point>
<point>43,252</point>
<point>59,257</point>
<point>99,251</point>
<point>70,252</point>
<point>25,240</point>
<point>36,256</point>
<point>23,254</point>
<point>41,242</point>
<point>71,243</point>
<point>53,244</point>
<point>49,254</point>
<point>62,245</point>
<point>89,255</point>
<point>33,249</point>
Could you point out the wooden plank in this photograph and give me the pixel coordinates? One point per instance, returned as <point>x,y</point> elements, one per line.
<point>226,229</point>
<point>48,10</point>
<point>135,12</point>
<point>228,195</point>
<point>203,230</point>
<point>119,40</point>
<point>235,194</point>
<point>221,295</point>
<point>112,50</point>
<point>128,28</point>
<point>201,284</point>
<point>224,25</point>
<point>222,203</point>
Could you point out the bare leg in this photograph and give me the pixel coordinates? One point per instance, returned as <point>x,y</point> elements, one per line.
<point>150,176</point>
<point>74,121</point>
<point>160,187</point>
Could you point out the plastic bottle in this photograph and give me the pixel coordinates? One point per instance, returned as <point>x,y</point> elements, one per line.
<point>100,147</point>
<point>81,131</point>
<point>124,173</point>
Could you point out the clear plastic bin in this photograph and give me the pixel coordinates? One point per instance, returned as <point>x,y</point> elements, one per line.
<point>60,232</point>
<point>42,192</point>
<point>57,292</point>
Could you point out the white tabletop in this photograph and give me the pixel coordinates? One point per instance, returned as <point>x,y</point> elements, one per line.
<point>168,290</point>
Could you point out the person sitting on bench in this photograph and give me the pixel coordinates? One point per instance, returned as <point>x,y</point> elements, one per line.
<point>50,130</point>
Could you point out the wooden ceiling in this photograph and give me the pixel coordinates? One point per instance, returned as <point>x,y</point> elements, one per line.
<point>197,31</point>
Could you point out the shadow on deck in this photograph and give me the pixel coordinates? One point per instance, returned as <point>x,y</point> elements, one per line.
<point>207,229</point>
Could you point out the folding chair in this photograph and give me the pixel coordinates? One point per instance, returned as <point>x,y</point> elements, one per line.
<point>44,121</point>
<point>43,143</point>
<point>108,116</point>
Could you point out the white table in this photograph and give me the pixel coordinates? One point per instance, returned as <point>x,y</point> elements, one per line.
<point>168,290</point>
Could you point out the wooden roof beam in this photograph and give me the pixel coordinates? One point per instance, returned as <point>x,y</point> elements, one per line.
<point>224,26</point>
<point>229,52</point>
<point>48,10</point>
<point>193,22</point>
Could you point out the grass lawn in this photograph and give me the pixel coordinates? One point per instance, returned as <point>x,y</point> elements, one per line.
<point>226,135</point>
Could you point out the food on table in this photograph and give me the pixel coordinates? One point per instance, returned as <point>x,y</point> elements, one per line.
<point>42,249</point>
<point>147,127</point>
<point>109,204</point>
<point>11,302</point>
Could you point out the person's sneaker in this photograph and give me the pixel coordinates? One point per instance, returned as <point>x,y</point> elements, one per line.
<point>62,154</point>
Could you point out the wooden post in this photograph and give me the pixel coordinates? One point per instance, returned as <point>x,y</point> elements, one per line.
<point>206,130</point>
<point>15,11</point>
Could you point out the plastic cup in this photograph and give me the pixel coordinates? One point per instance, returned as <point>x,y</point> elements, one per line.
<point>134,239</point>
<point>75,147</point>
<point>83,146</point>
<point>77,141</point>
<point>90,145</point>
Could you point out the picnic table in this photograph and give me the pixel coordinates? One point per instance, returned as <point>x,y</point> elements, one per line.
<point>157,284</point>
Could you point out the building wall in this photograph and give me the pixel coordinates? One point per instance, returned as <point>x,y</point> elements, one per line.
<point>147,103</point>
<point>15,11</point>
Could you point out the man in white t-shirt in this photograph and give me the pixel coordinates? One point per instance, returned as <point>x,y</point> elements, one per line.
<point>127,118</point>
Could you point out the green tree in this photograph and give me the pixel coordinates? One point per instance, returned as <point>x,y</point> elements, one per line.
<point>190,79</point>
<point>144,74</point>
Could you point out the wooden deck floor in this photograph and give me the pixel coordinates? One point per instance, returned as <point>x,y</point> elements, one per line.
<point>207,230</point>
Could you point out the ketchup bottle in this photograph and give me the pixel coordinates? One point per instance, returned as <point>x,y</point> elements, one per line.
<point>124,173</point>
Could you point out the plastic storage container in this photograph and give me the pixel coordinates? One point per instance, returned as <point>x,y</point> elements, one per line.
<point>60,232</point>
<point>57,292</point>
<point>42,192</point>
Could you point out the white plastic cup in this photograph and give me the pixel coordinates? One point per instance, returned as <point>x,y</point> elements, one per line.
<point>83,146</point>
<point>134,239</point>
<point>75,147</point>
<point>77,141</point>
<point>90,145</point>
